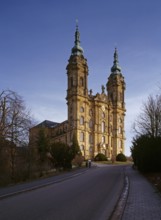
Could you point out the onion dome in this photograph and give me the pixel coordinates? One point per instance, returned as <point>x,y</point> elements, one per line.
<point>115,68</point>
<point>77,49</point>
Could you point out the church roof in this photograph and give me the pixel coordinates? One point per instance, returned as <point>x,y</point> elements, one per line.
<point>48,124</point>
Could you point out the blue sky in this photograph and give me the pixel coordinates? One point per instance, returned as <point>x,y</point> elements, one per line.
<point>36,37</point>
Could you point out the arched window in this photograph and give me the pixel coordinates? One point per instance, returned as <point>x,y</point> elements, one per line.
<point>81,147</point>
<point>90,112</point>
<point>81,136</point>
<point>81,120</point>
<point>90,123</point>
<point>90,149</point>
<point>81,81</point>
<point>90,139</point>
<point>103,126</point>
<point>103,139</point>
<point>110,128</point>
<point>120,96</point>
<point>81,109</point>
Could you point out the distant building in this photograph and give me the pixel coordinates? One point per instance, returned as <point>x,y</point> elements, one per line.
<point>96,120</point>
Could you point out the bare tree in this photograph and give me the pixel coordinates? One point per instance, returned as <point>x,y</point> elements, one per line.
<point>15,119</point>
<point>148,121</point>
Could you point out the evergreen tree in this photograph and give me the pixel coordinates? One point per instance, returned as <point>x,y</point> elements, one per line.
<point>42,143</point>
<point>75,149</point>
<point>61,155</point>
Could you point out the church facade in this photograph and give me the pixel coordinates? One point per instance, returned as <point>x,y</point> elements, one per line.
<point>96,120</point>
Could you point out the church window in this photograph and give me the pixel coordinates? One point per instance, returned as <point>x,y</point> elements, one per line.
<point>90,112</point>
<point>81,109</point>
<point>120,96</point>
<point>81,147</point>
<point>90,138</point>
<point>103,126</point>
<point>103,115</point>
<point>81,81</point>
<point>103,139</point>
<point>110,129</point>
<point>81,136</point>
<point>90,123</point>
<point>81,120</point>
<point>90,149</point>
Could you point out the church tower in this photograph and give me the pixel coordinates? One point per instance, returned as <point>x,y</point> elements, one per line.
<point>95,120</point>
<point>77,91</point>
<point>115,89</point>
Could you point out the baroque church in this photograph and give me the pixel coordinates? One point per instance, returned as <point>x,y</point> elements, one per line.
<point>96,120</point>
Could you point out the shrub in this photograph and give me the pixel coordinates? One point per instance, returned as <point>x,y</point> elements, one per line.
<point>100,157</point>
<point>146,153</point>
<point>78,160</point>
<point>61,155</point>
<point>121,157</point>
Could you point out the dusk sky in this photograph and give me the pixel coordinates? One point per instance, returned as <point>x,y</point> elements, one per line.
<point>36,38</point>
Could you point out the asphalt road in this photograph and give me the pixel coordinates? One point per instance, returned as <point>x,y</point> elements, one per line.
<point>89,196</point>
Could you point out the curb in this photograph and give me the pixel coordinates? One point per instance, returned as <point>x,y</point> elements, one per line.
<point>119,210</point>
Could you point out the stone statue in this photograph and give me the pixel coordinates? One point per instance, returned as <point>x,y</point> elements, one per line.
<point>103,89</point>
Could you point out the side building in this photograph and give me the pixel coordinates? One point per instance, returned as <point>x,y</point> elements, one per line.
<point>96,120</point>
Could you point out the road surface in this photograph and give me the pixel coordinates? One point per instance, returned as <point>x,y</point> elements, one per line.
<point>89,196</point>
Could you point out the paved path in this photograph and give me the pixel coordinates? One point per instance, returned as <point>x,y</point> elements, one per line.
<point>144,201</point>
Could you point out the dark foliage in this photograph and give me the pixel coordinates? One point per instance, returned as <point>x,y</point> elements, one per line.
<point>146,153</point>
<point>121,157</point>
<point>74,148</point>
<point>42,144</point>
<point>62,155</point>
<point>100,157</point>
